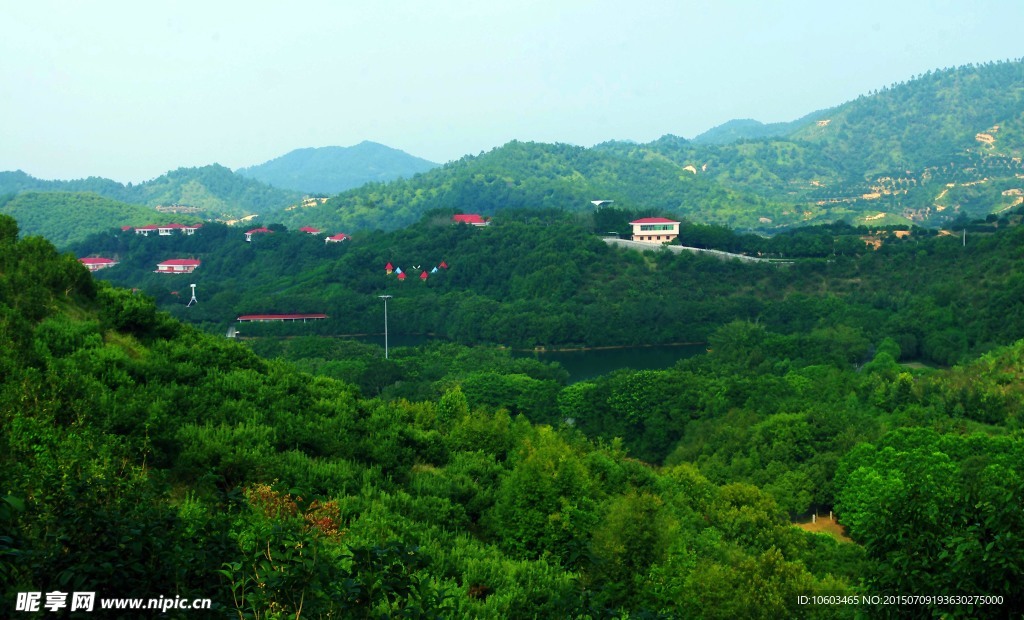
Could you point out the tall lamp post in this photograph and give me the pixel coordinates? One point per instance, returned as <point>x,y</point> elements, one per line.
<point>385,298</point>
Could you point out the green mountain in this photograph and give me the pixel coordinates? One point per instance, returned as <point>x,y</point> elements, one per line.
<point>922,151</point>
<point>66,218</point>
<point>214,190</point>
<point>532,175</point>
<point>334,169</point>
<point>750,129</point>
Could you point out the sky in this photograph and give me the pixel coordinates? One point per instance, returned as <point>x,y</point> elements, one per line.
<point>130,90</point>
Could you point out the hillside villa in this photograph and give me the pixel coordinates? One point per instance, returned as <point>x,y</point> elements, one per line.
<point>338,238</point>
<point>654,230</point>
<point>97,263</point>
<point>178,265</point>
<point>262,230</point>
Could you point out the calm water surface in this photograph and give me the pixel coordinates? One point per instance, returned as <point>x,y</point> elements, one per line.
<point>584,364</point>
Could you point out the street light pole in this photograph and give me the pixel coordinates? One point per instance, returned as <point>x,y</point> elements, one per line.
<point>385,298</point>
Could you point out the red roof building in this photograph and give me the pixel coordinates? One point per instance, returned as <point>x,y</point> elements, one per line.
<point>262,230</point>
<point>654,230</point>
<point>264,318</point>
<point>338,238</point>
<point>309,230</point>
<point>96,263</point>
<point>470,218</point>
<point>166,230</point>
<point>178,265</point>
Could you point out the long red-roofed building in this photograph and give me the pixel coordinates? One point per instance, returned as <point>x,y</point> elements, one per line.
<point>470,218</point>
<point>263,318</point>
<point>178,265</point>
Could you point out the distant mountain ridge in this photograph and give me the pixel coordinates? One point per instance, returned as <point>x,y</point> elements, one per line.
<point>750,129</point>
<point>68,217</point>
<point>334,169</point>
<point>214,189</point>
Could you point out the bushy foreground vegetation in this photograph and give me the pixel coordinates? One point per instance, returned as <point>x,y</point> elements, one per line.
<point>143,457</point>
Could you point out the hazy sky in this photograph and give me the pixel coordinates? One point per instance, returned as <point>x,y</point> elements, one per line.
<point>130,90</point>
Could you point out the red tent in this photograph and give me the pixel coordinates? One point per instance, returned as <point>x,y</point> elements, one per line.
<point>423,276</point>
<point>401,277</point>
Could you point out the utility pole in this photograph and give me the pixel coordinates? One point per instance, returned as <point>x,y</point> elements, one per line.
<point>385,298</point>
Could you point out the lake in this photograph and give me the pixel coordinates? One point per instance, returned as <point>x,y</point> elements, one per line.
<point>590,363</point>
<point>580,364</point>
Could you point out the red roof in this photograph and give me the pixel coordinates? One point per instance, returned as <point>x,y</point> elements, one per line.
<point>261,229</point>
<point>280,317</point>
<point>653,220</point>
<point>187,262</point>
<point>338,237</point>
<point>310,230</point>
<point>468,218</point>
<point>147,227</point>
<point>96,261</point>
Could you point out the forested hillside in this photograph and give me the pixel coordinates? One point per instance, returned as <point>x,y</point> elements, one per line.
<point>334,169</point>
<point>65,218</point>
<point>531,175</point>
<point>916,152</point>
<point>919,151</point>
<point>214,190</point>
<point>543,278</point>
<point>143,457</point>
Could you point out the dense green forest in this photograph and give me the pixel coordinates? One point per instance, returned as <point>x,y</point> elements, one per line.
<point>533,175</point>
<point>65,218</point>
<point>143,457</point>
<point>544,279</point>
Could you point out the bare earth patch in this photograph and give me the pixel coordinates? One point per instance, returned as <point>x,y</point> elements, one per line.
<point>826,525</point>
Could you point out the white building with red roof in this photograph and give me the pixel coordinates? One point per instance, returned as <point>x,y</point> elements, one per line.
<point>338,238</point>
<point>309,230</point>
<point>262,230</point>
<point>654,230</point>
<point>97,263</point>
<point>165,230</point>
<point>178,265</point>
